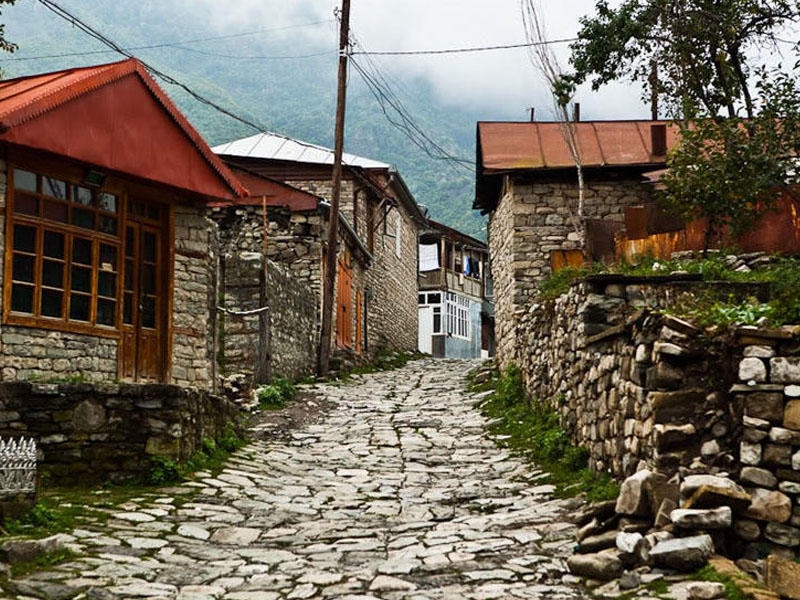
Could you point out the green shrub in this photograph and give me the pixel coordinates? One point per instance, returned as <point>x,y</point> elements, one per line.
<point>163,471</point>
<point>276,394</point>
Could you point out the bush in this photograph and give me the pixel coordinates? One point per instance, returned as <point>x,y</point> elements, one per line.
<point>275,395</point>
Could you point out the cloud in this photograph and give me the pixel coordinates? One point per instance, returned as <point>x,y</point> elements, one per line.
<point>501,82</point>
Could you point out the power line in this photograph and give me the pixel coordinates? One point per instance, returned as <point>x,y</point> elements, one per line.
<point>463,50</point>
<point>180,44</point>
<point>398,116</point>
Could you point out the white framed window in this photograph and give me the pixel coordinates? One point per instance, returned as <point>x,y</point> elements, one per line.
<point>457,316</point>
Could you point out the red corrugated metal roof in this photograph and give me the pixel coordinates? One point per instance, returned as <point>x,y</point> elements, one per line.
<point>540,145</point>
<point>277,193</point>
<point>113,116</point>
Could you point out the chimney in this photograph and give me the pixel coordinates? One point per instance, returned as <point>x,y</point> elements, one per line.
<point>658,139</point>
<point>533,112</point>
<point>576,112</point>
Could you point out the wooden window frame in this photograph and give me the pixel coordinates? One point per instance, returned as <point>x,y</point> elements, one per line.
<point>95,236</point>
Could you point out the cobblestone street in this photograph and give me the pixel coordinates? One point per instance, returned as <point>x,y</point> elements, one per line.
<point>397,492</point>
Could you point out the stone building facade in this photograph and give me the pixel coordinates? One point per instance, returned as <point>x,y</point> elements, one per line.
<point>382,218</point>
<point>110,263</point>
<point>527,183</point>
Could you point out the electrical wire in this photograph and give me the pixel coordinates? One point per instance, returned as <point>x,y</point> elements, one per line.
<point>463,50</point>
<point>180,45</point>
<point>396,113</point>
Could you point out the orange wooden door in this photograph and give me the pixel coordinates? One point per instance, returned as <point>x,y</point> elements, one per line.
<point>344,319</point>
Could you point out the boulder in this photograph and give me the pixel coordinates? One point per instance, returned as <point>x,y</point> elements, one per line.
<point>758,477</point>
<point>17,551</point>
<point>683,554</point>
<point>595,543</point>
<point>769,505</point>
<point>632,499</point>
<point>704,590</point>
<point>650,541</point>
<point>603,566</point>
<point>702,518</point>
<point>627,542</point>
<point>747,530</point>
<point>707,496</point>
<point>693,482</point>
<point>784,535</point>
<point>765,405</point>
<point>782,576</point>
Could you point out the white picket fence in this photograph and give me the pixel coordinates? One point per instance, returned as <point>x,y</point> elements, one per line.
<point>17,466</point>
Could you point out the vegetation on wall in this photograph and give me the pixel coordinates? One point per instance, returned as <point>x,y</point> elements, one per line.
<point>782,275</point>
<point>531,428</point>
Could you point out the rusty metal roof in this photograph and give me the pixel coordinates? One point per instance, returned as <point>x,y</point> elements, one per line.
<point>275,193</point>
<point>542,145</point>
<point>113,116</point>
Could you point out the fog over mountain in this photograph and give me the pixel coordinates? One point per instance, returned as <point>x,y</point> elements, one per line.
<point>274,63</point>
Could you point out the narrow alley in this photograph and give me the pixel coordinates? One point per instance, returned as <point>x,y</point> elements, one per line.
<point>397,492</point>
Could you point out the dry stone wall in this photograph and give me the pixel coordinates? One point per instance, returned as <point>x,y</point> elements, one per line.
<point>767,398</point>
<point>108,432</point>
<point>629,383</point>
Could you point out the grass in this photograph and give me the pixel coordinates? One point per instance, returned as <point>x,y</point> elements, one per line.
<point>782,275</point>
<point>48,559</point>
<point>62,509</point>
<point>384,361</point>
<point>732,589</point>
<point>531,429</point>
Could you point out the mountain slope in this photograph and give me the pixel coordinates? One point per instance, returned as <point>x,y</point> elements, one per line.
<point>291,96</point>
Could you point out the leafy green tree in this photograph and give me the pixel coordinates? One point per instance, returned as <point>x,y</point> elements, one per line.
<point>5,45</point>
<point>687,52</point>
<point>732,170</point>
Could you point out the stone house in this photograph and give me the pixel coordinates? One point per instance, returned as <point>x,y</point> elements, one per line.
<point>380,217</point>
<point>456,313</point>
<point>526,181</point>
<point>288,225</point>
<point>110,264</point>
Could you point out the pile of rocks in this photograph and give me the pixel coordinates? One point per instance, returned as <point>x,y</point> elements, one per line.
<point>657,524</point>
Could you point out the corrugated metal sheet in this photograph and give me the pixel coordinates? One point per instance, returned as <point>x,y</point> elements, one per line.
<point>276,193</point>
<point>778,231</point>
<point>270,146</point>
<point>116,117</point>
<point>542,145</point>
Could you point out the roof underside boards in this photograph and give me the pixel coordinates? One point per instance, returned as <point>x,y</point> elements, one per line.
<point>275,147</point>
<point>114,117</point>
<point>539,145</point>
<point>274,192</point>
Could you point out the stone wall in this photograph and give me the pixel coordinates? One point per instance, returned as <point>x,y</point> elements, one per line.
<point>629,383</point>
<point>767,399</point>
<point>194,304</point>
<point>292,319</point>
<point>392,309</point>
<point>532,220</point>
<point>108,432</point>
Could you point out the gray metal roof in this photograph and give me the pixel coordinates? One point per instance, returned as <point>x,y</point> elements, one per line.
<point>275,147</point>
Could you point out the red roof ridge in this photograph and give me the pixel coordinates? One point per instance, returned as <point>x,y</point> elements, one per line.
<point>60,87</point>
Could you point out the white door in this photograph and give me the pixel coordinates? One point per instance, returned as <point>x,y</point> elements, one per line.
<point>425,343</point>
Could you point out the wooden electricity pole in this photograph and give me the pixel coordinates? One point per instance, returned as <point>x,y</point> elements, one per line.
<point>333,215</point>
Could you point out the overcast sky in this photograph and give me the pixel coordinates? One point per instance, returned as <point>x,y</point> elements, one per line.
<point>503,79</point>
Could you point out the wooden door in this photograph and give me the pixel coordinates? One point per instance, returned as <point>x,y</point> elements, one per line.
<point>344,319</point>
<point>143,356</point>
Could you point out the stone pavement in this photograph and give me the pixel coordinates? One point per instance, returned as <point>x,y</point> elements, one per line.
<point>396,493</point>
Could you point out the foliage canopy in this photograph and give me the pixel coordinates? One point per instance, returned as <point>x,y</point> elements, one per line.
<point>688,52</point>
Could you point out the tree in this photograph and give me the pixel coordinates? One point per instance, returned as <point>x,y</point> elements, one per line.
<point>731,170</point>
<point>698,49</point>
<point>5,45</point>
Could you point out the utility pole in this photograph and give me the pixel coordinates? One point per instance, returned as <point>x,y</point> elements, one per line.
<point>333,214</point>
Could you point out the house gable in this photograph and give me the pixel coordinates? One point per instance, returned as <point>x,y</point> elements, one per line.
<point>114,117</point>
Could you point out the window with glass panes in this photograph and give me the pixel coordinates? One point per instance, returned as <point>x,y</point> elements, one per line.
<point>457,310</point>
<point>65,247</point>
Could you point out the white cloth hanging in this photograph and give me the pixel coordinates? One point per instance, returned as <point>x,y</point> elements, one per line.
<point>428,257</point>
